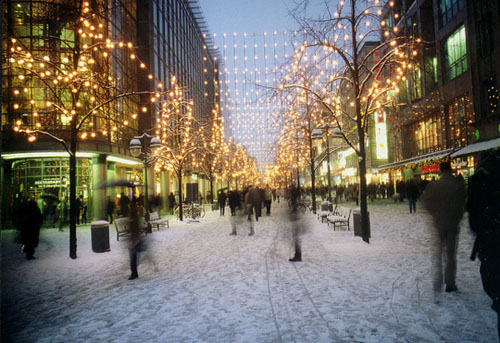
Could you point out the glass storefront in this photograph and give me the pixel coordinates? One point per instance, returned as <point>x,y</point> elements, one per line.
<point>34,178</point>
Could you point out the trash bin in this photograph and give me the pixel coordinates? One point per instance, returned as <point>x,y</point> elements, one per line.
<point>100,235</point>
<point>356,220</point>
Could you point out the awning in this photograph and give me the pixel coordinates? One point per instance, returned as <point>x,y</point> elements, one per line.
<point>476,147</point>
<point>436,155</point>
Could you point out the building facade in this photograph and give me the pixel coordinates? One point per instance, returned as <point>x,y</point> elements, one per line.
<point>169,38</point>
<point>438,102</point>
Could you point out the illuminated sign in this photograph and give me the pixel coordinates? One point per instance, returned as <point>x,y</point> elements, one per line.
<point>381,136</point>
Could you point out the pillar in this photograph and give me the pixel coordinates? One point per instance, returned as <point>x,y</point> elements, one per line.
<point>165,190</point>
<point>111,175</point>
<point>98,199</point>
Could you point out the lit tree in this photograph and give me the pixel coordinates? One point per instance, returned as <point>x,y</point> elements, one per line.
<point>75,84</point>
<point>336,44</point>
<point>304,116</point>
<point>182,134</point>
<point>215,150</point>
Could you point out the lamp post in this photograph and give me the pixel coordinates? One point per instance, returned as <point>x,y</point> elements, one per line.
<point>318,133</point>
<point>142,144</point>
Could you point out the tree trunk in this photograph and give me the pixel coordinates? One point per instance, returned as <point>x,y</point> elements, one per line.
<point>212,190</point>
<point>72,194</point>
<point>179,175</point>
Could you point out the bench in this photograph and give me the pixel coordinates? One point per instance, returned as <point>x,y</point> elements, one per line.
<point>121,226</point>
<point>156,221</point>
<point>326,209</point>
<point>341,218</point>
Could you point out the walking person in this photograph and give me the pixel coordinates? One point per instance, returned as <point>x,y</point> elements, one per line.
<point>123,205</point>
<point>62,208</point>
<point>79,207</point>
<point>268,198</point>
<point>234,201</point>
<point>251,200</point>
<point>412,194</point>
<point>297,228</point>
<point>221,200</point>
<point>445,200</point>
<point>483,205</point>
<point>171,203</point>
<point>136,242</point>
<point>110,209</point>
<point>30,227</point>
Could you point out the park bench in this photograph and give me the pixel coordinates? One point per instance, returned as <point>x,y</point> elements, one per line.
<point>156,221</point>
<point>340,218</point>
<point>122,230</point>
<point>326,209</point>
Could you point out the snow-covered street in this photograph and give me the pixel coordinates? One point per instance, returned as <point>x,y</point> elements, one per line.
<point>199,284</point>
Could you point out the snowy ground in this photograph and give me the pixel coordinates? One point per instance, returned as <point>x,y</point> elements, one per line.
<point>208,286</point>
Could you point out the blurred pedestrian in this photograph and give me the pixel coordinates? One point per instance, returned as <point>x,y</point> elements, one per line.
<point>297,227</point>
<point>234,201</point>
<point>110,209</point>
<point>221,200</point>
<point>171,203</point>
<point>62,208</point>
<point>79,207</point>
<point>30,228</point>
<point>123,204</point>
<point>412,194</point>
<point>483,205</point>
<point>268,198</point>
<point>251,199</point>
<point>136,241</point>
<point>445,200</point>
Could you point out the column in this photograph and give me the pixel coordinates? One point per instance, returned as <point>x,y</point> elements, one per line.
<point>98,199</point>
<point>165,190</point>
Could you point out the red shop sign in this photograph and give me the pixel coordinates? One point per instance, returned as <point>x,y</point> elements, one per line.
<point>433,168</point>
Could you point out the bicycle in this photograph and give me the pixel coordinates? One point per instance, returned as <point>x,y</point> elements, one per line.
<point>301,205</point>
<point>190,211</point>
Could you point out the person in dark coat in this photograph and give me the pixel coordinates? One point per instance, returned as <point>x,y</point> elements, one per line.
<point>483,205</point>
<point>136,241</point>
<point>445,200</point>
<point>221,200</point>
<point>110,209</point>
<point>171,203</point>
<point>30,228</point>
<point>79,207</point>
<point>234,201</point>
<point>123,204</point>
<point>297,228</point>
<point>412,194</point>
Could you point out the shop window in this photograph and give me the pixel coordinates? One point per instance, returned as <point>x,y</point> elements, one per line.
<point>448,9</point>
<point>489,96</point>
<point>458,118</point>
<point>417,82</point>
<point>431,73</point>
<point>455,54</point>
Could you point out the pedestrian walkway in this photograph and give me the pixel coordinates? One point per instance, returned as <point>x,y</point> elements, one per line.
<point>200,284</point>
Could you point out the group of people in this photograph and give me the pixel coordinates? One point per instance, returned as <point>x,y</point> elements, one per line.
<point>258,197</point>
<point>446,200</point>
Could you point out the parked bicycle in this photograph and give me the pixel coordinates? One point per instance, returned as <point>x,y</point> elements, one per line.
<point>190,211</point>
<point>302,205</point>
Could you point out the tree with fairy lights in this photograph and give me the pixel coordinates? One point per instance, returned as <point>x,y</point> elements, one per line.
<point>353,82</point>
<point>74,83</point>
<point>181,133</point>
<point>215,150</point>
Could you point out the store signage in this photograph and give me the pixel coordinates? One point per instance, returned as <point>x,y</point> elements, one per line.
<point>433,168</point>
<point>52,182</point>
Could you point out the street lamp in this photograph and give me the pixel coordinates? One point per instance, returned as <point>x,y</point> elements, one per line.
<point>141,144</point>
<point>318,133</point>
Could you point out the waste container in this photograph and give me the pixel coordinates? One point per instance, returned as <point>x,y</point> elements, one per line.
<point>100,235</point>
<point>356,220</point>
